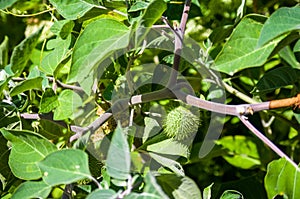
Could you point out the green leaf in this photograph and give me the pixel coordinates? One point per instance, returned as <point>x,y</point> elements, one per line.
<point>179,187</point>
<point>100,39</point>
<point>169,163</point>
<point>137,6</point>
<point>153,187</point>
<point>8,114</point>
<point>231,194</point>
<point>55,57</point>
<point>53,131</point>
<point>243,152</point>
<point>170,147</point>
<point>63,28</point>
<point>65,166</point>
<point>152,128</point>
<point>27,150</point>
<point>118,156</point>
<point>219,34</point>
<point>21,53</point>
<point>282,179</point>
<point>281,21</point>
<point>72,9</point>
<point>29,84</point>
<point>104,193</point>
<point>49,101</point>
<point>29,189</point>
<point>143,195</point>
<point>69,102</point>
<point>6,3</point>
<point>240,51</point>
<point>4,157</point>
<point>4,52</point>
<point>152,190</point>
<point>277,78</point>
<point>153,12</point>
<point>207,192</point>
<point>297,46</point>
<point>287,54</point>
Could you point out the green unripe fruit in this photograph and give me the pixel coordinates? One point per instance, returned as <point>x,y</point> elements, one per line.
<point>181,123</point>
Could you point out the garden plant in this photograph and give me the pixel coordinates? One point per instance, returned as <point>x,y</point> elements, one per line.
<point>149,99</point>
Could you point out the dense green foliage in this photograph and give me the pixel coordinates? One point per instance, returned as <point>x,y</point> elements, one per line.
<point>64,63</point>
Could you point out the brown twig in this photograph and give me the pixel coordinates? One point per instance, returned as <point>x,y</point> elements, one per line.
<point>288,102</point>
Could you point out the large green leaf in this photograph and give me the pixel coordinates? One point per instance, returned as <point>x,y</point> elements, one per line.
<point>4,155</point>
<point>170,147</point>
<point>29,189</point>
<point>282,179</point>
<point>56,56</point>
<point>103,194</point>
<point>49,101</point>
<point>241,51</point>
<point>29,84</point>
<point>72,9</point>
<point>118,156</point>
<point>153,12</point>
<point>100,39</point>
<point>69,102</point>
<point>281,21</point>
<point>243,152</point>
<point>152,190</point>
<point>6,3</point>
<point>62,28</point>
<point>21,53</point>
<point>53,131</point>
<point>179,187</point>
<point>277,78</point>
<point>169,163</point>
<point>287,54</point>
<point>153,187</point>
<point>27,150</point>
<point>65,166</point>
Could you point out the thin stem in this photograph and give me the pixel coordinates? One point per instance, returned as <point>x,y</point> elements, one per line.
<point>179,42</point>
<point>114,10</point>
<point>96,182</point>
<point>28,15</point>
<point>265,140</point>
<point>238,94</point>
<point>72,87</point>
<point>185,15</point>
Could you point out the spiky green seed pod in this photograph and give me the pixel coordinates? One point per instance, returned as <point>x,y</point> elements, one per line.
<point>181,123</point>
